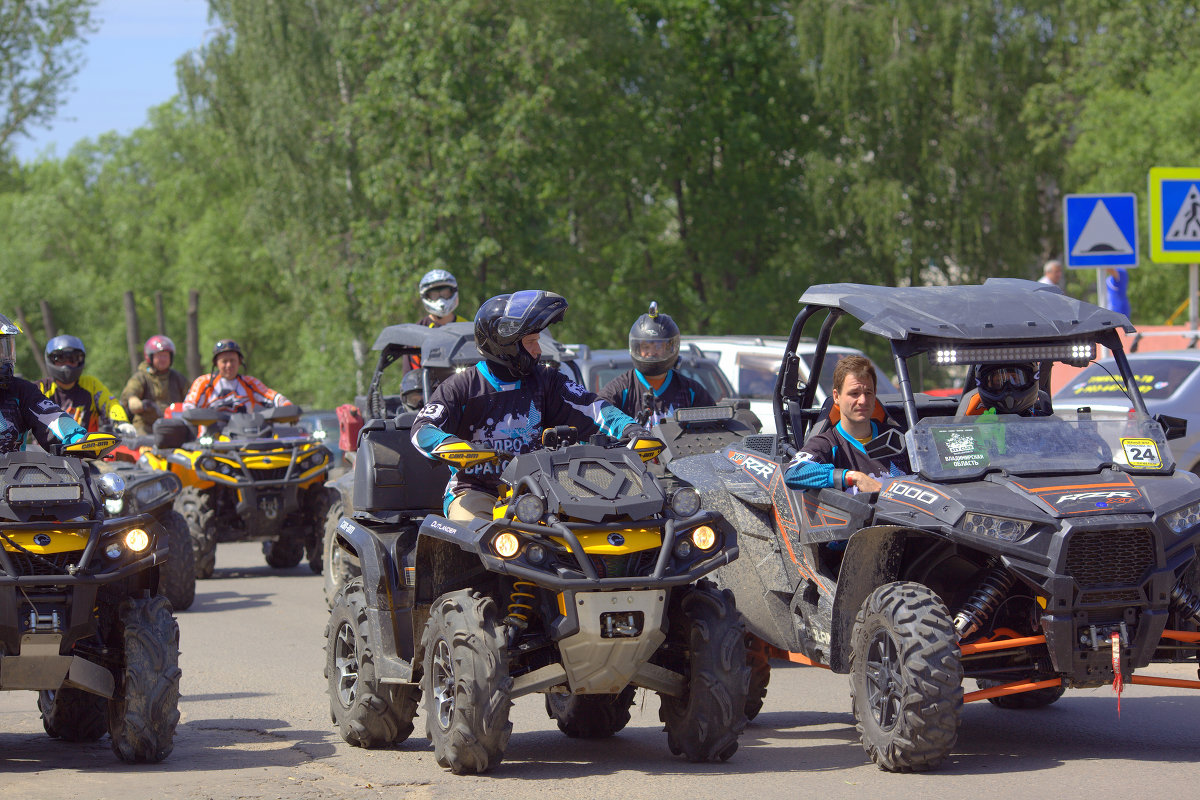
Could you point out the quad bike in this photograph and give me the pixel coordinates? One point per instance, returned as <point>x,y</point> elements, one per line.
<point>81,620</point>
<point>250,476</point>
<point>1030,553</point>
<point>587,583</point>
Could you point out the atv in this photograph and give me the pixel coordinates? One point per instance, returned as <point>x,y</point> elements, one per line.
<point>1031,554</point>
<point>443,351</point>
<point>81,621</point>
<point>248,476</point>
<point>586,584</point>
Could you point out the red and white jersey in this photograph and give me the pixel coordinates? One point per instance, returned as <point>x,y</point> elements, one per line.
<point>246,391</point>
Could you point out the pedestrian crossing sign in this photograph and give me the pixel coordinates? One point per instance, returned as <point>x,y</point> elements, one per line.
<point>1100,230</point>
<point>1174,198</point>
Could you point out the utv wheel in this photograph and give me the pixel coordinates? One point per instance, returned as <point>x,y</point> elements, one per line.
<point>905,677</point>
<point>1038,698</point>
<point>177,579</point>
<point>760,675</point>
<point>466,683</point>
<point>283,553</point>
<point>336,570</point>
<point>705,723</point>
<point>73,714</point>
<point>322,500</point>
<point>200,511</point>
<point>144,710</point>
<point>366,712</point>
<point>590,716</point>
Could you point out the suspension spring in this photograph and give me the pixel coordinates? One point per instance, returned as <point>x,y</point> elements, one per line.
<point>1186,601</point>
<point>983,602</point>
<point>520,603</point>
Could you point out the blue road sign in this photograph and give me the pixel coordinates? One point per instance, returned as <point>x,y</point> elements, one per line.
<point>1100,230</point>
<point>1174,214</point>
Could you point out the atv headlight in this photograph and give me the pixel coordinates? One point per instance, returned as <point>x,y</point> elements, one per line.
<point>506,545</point>
<point>113,505</point>
<point>1004,528</point>
<point>1184,519</point>
<point>137,540</point>
<point>319,434</point>
<point>530,508</point>
<point>685,502</point>
<point>704,537</point>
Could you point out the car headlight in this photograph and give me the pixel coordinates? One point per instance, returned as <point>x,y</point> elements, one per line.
<point>1184,519</point>
<point>1004,528</point>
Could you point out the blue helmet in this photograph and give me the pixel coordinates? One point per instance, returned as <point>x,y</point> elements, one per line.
<point>65,357</point>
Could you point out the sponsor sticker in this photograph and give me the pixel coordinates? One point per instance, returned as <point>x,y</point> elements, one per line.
<point>1142,453</point>
<point>346,526</point>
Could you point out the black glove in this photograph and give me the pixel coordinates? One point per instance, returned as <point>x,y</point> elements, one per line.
<point>634,432</point>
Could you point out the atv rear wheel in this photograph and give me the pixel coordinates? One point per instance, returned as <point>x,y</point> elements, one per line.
<point>323,500</point>
<point>1038,698</point>
<point>177,579</point>
<point>144,710</point>
<point>590,716</point>
<point>367,713</point>
<point>73,715</point>
<point>283,553</point>
<point>905,677</point>
<point>466,682</point>
<point>705,723</point>
<point>200,510</point>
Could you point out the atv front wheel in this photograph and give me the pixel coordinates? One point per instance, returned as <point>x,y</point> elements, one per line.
<point>705,723</point>
<point>144,709</point>
<point>905,677</point>
<point>760,675</point>
<point>1038,698</point>
<point>283,553</point>
<point>177,580</point>
<point>73,714</point>
<point>322,501</point>
<point>466,682</point>
<point>368,713</point>
<point>590,716</point>
<point>200,510</point>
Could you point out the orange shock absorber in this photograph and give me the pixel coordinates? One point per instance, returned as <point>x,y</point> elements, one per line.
<point>520,603</point>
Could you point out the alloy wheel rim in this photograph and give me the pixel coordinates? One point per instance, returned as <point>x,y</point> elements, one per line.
<point>884,687</point>
<point>442,678</point>
<point>345,661</point>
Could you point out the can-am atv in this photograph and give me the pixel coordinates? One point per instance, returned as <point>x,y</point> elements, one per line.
<point>81,622</point>
<point>1032,554</point>
<point>586,585</point>
<point>251,476</point>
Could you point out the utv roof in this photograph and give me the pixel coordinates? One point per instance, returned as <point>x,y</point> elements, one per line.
<point>451,345</point>
<point>1000,308</point>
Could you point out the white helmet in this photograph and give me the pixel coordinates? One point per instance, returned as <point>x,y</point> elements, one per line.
<point>432,290</point>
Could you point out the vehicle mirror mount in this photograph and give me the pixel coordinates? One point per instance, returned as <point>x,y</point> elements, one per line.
<point>888,444</point>
<point>1173,427</point>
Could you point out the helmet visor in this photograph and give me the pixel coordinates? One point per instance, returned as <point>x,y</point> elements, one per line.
<point>72,358</point>
<point>654,349</point>
<point>8,349</point>
<point>515,311</point>
<point>1007,376</point>
<point>444,291</point>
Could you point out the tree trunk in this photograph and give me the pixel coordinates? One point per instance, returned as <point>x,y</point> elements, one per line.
<point>33,343</point>
<point>159,315</point>
<point>133,337</point>
<point>48,321</point>
<point>193,334</point>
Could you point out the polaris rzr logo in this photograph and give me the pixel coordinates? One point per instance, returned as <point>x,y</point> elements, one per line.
<point>616,539</point>
<point>764,469</point>
<point>910,492</point>
<point>1113,497</point>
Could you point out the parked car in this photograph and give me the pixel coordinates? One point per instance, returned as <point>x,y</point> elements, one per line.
<point>598,367</point>
<point>1168,381</point>
<point>752,365</point>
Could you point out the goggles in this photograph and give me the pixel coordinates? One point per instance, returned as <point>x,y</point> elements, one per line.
<point>71,358</point>
<point>1010,376</point>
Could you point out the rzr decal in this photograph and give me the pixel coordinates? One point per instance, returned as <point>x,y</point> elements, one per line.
<point>1112,497</point>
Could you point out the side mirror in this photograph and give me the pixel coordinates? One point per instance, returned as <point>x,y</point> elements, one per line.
<point>1173,427</point>
<point>888,444</point>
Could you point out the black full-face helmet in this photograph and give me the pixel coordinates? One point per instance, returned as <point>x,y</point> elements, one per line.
<point>1008,388</point>
<point>654,342</point>
<point>65,357</point>
<point>504,320</point>
<point>8,348</point>
<point>410,390</point>
<point>227,346</point>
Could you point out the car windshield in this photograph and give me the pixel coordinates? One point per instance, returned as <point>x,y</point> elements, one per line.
<point>1157,379</point>
<point>942,448</point>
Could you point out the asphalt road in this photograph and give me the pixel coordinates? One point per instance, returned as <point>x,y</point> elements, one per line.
<point>255,724</point>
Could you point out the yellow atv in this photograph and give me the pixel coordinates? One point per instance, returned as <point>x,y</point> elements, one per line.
<point>248,476</point>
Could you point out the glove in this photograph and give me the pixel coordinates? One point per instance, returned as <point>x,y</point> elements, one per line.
<point>124,429</point>
<point>634,432</point>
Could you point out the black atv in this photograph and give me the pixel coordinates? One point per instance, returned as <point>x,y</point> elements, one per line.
<point>81,621</point>
<point>1032,554</point>
<point>442,351</point>
<point>586,585</point>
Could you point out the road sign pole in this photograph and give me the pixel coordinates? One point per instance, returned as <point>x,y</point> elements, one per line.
<point>1193,288</point>
<point>1101,296</point>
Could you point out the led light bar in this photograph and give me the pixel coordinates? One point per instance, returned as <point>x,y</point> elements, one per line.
<point>1070,352</point>
<point>44,493</point>
<point>703,414</point>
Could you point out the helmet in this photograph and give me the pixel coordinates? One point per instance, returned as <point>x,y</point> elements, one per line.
<point>654,342</point>
<point>227,346</point>
<point>1008,388</point>
<point>408,385</point>
<point>8,348</point>
<point>503,321</point>
<point>157,344</point>
<point>65,357</point>
<point>436,305</point>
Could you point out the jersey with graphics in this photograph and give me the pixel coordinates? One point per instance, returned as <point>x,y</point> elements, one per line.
<point>248,392</point>
<point>819,462</point>
<point>24,408</point>
<point>628,393</point>
<point>89,401</point>
<point>477,407</point>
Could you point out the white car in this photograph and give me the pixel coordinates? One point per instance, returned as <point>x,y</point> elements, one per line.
<point>752,364</point>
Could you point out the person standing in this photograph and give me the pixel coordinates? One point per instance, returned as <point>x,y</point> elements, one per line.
<point>154,385</point>
<point>1052,273</point>
<point>1117,284</point>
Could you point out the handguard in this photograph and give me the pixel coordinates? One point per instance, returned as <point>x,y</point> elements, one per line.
<point>94,445</point>
<point>460,454</point>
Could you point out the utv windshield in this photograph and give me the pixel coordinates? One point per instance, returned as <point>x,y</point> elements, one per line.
<point>942,448</point>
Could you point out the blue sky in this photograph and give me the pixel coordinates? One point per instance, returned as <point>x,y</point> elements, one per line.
<point>129,67</point>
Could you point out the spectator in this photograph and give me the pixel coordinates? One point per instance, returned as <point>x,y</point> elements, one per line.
<point>1052,273</point>
<point>1117,284</point>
